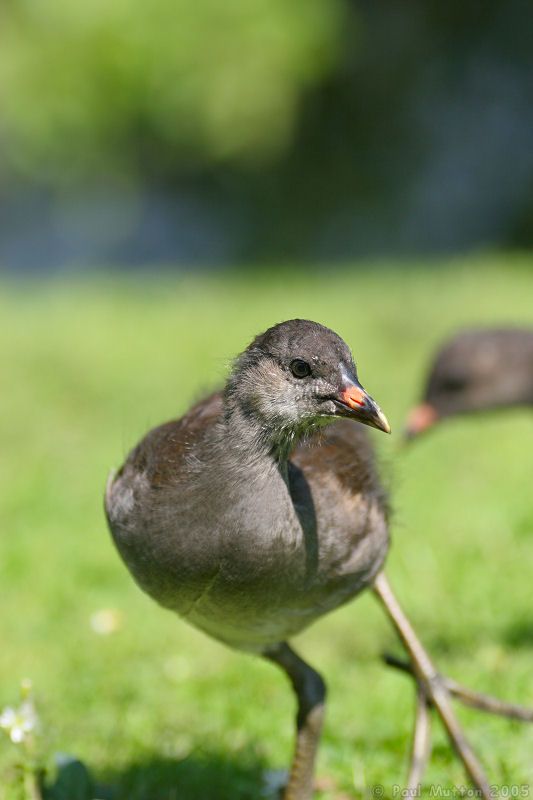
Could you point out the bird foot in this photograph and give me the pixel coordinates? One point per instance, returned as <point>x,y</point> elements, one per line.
<point>421,744</point>
<point>434,690</point>
<point>483,702</point>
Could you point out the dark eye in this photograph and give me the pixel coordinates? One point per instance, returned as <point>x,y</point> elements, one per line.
<point>300,369</point>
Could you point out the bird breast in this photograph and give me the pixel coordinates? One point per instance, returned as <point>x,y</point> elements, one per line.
<point>250,561</point>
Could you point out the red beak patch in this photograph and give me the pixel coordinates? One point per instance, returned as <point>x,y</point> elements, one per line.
<point>353,397</point>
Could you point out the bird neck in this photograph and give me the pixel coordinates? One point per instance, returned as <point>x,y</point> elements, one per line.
<point>257,440</point>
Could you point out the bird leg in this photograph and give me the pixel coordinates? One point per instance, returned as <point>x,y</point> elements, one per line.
<point>433,686</point>
<point>311,693</point>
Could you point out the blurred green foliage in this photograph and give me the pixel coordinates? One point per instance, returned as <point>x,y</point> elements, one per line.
<point>238,131</point>
<point>86,86</point>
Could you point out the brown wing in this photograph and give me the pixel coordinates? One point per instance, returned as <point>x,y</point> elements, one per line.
<point>162,452</point>
<point>161,460</point>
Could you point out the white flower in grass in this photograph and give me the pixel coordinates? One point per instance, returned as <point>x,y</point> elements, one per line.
<point>106,621</point>
<point>19,723</point>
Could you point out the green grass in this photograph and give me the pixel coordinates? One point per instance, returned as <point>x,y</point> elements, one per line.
<point>158,711</point>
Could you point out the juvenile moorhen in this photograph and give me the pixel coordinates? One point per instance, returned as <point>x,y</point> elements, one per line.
<point>250,517</point>
<point>478,369</point>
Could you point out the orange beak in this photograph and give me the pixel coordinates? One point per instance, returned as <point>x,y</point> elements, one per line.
<point>354,402</point>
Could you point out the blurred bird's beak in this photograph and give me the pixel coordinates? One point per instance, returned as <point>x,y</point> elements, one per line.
<point>354,402</point>
<point>420,419</point>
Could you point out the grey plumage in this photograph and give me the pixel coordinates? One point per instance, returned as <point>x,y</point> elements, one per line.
<point>247,516</point>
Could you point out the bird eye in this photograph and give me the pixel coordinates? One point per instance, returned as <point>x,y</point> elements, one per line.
<point>300,369</point>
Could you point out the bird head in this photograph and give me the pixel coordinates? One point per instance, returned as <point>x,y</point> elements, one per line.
<point>477,370</point>
<point>299,375</point>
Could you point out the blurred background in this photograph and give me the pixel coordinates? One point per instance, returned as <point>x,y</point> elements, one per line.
<point>254,131</point>
<point>174,178</point>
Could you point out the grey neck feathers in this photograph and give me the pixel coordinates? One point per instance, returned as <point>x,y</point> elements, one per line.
<point>258,438</point>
